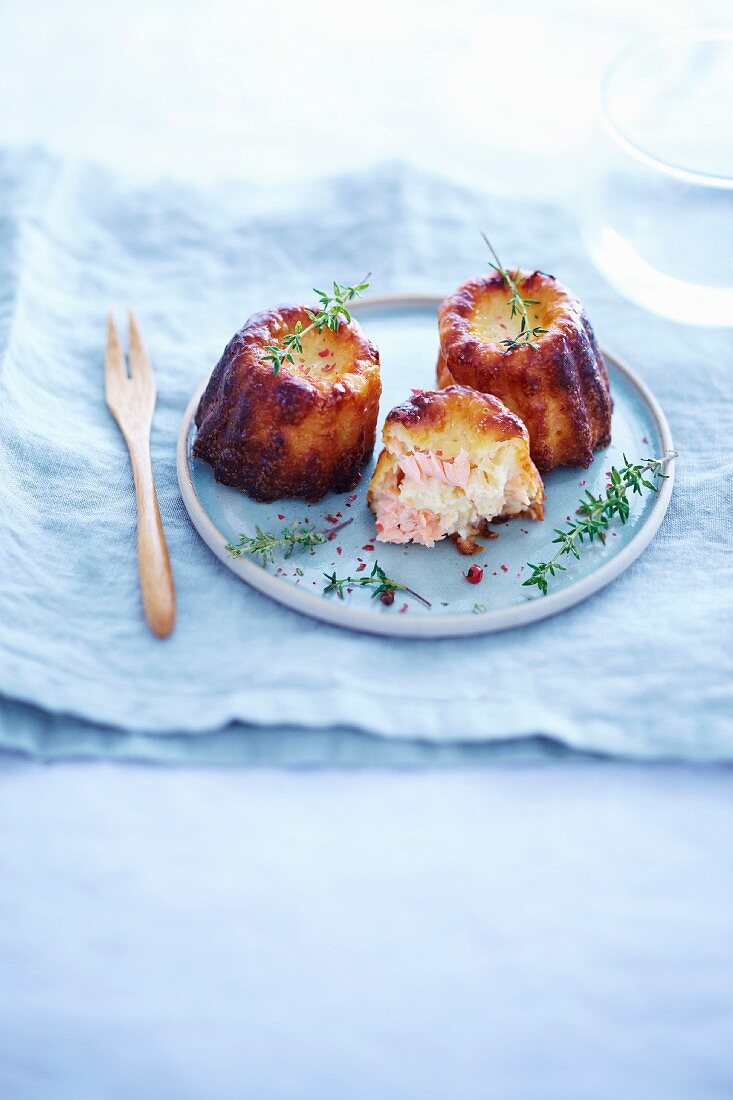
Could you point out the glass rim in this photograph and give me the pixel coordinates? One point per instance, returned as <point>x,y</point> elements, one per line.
<point>616,131</point>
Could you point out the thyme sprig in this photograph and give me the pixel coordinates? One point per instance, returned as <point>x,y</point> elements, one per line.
<point>266,544</point>
<point>333,310</point>
<point>377,578</point>
<point>596,513</point>
<point>519,305</point>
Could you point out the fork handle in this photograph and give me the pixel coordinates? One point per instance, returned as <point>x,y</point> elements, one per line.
<point>156,576</point>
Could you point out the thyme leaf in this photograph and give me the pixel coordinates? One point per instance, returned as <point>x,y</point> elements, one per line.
<point>334,309</point>
<point>377,579</point>
<point>518,305</point>
<point>266,544</point>
<point>596,513</point>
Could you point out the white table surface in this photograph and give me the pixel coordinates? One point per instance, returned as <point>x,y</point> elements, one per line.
<point>506,932</point>
<point>551,930</point>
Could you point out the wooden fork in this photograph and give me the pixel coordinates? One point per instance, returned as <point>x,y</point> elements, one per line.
<point>131,400</point>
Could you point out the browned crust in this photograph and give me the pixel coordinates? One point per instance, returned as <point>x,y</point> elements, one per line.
<point>559,389</point>
<point>479,412</point>
<point>466,546</point>
<point>284,436</point>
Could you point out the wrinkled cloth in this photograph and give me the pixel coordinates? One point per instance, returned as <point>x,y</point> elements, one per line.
<point>642,669</point>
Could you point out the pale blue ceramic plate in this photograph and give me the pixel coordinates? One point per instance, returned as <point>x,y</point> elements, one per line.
<point>405,331</point>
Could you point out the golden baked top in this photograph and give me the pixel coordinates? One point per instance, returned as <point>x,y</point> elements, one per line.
<point>479,313</point>
<point>459,414</point>
<point>327,356</point>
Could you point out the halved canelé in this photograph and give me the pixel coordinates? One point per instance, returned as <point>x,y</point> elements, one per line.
<point>453,460</point>
<point>304,432</point>
<point>559,388</point>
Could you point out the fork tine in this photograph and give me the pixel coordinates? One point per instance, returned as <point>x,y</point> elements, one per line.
<point>114,360</point>
<point>140,365</point>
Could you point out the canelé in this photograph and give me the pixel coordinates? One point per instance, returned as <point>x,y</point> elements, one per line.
<point>301,432</point>
<point>558,387</point>
<point>453,460</point>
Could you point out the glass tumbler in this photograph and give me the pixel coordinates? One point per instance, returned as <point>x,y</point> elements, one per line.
<point>657,211</point>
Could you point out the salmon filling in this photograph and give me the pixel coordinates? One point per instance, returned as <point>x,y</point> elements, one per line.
<point>425,496</point>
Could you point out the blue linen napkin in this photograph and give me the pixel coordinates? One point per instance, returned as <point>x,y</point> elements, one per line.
<point>644,668</point>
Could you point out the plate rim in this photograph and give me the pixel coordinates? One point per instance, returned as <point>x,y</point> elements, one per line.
<point>441,626</point>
